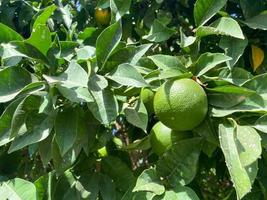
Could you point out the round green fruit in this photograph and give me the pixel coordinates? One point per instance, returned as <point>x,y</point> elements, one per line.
<point>162,137</point>
<point>147,97</point>
<point>181,104</point>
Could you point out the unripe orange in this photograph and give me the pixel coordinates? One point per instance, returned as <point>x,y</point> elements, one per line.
<point>102,16</point>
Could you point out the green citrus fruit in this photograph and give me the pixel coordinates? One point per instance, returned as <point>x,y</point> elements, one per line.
<point>102,16</point>
<point>162,137</point>
<point>147,97</point>
<point>181,104</point>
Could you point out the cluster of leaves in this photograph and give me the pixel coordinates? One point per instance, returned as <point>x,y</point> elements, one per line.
<point>69,87</point>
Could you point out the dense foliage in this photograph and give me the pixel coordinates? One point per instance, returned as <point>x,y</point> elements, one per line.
<point>74,126</point>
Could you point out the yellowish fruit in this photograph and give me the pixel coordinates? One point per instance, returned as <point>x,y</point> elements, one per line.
<point>147,97</point>
<point>257,56</point>
<point>162,137</point>
<point>102,16</point>
<point>181,104</point>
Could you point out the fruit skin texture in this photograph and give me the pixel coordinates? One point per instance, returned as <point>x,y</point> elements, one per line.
<point>162,137</point>
<point>147,97</point>
<point>102,16</point>
<point>181,104</point>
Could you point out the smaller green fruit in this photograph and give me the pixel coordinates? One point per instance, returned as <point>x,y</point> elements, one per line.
<point>102,152</point>
<point>147,97</point>
<point>162,137</point>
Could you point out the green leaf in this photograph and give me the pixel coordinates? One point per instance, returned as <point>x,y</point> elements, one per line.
<point>241,146</point>
<point>66,15</point>
<point>164,16</point>
<point>7,34</point>
<point>186,41</point>
<point>97,82</point>
<point>62,163</point>
<point>72,83</point>
<point>18,189</point>
<point>251,9</point>
<point>223,26</point>
<point>128,195</point>
<point>179,164</point>
<point>118,171</point>
<point>248,145</point>
<point>148,181</point>
<point>85,53</point>
<point>88,186</point>
<point>5,122</point>
<point>207,130</point>
<point>231,89</point>
<point>24,49</point>
<point>253,104</point>
<point>74,76</point>
<point>44,15</point>
<point>236,75</point>
<point>65,186</point>
<point>106,42</point>
<point>85,187</point>
<point>262,177</point>
<point>10,61</point>
<point>226,100</point>
<point>45,149</point>
<point>12,82</point>
<point>180,192</point>
<point>258,21</point>
<point>53,54</point>
<point>137,115</point>
<point>32,88</point>
<point>67,49</point>
<point>174,73</point>
<point>30,104</point>
<point>42,127</point>
<point>45,185</point>
<point>126,74</point>
<point>258,84</point>
<point>207,61</point>
<point>66,127</point>
<point>261,124</point>
<point>87,33</point>
<point>130,54</point>
<point>40,38</point>
<point>209,148</point>
<point>8,51</point>
<point>263,136</point>
<point>107,189</point>
<point>166,62</point>
<point>169,66</point>
<point>206,9</point>
<point>143,196</point>
<point>233,48</point>
<point>75,94</point>
<point>105,106</point>
<point>159,32</point>
<point>119,8</point>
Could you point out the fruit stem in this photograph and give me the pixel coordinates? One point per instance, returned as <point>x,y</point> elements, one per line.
<point>195,78</point>
<point>133,155</point>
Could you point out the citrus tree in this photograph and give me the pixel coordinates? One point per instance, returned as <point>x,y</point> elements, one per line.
<point>133,99</point>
